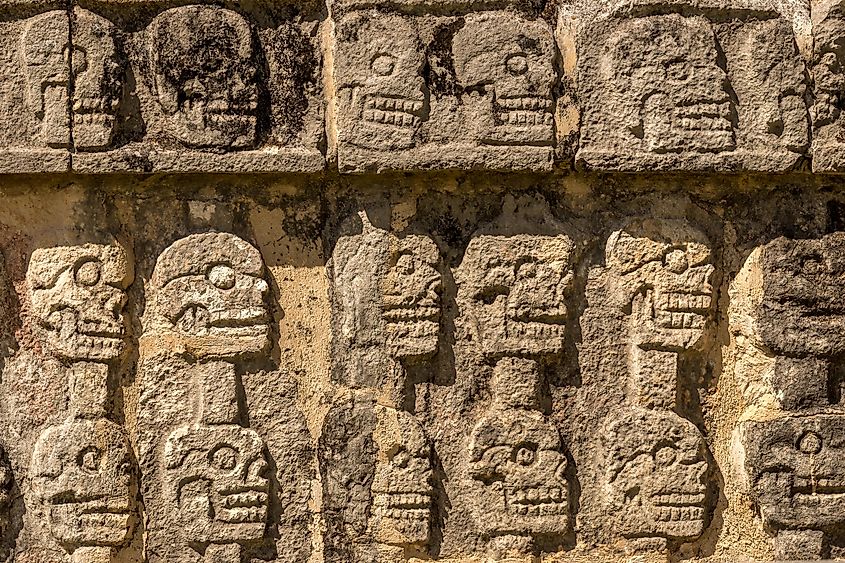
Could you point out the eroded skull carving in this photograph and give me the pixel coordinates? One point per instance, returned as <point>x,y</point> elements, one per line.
<point>83,479</point>
<point>829,62</point>
<point>664,275</point>
<point>96,67</point>
<point>77,295</point>
<point>802,307</point>
<point>513,291</point>
<point>218,481</point>
<point>517,468</point>
<point>402,488</point>
<point>796,469</point>
<point>511,62</point>
<point>664,71</point>
<point>655,474</point>
<point>209,293</point>
<point>203,63</point>
<point>378,73</point>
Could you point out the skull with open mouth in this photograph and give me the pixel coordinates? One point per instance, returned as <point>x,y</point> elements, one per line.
<point>219,482</point>
<point>378,72</point>
<point>511,61</point>
<point>663,273</point>
<point>513,291</point>
<point>77,297</point>
<point>83,477</point>
<point>665,70</point>
<point>655,474</point>
<point>205,76</point>
<point>210,293</point>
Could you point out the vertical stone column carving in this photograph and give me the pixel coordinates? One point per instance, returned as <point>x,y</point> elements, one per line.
<point>83,476</point>
<point>656,465</point>
<point>74,75</point>
<point>208,298</point>
<point>788,321</point>
<point>513,292</point>
<point>386,301</point>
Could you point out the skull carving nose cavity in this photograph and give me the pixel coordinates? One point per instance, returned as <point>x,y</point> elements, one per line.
<point>222,276</point>
<point>88,273</point>
<point>525,456</point>
<point>383,65</point>
<point>517,64</point>
<point>810,443</point>
<point>676,261</point>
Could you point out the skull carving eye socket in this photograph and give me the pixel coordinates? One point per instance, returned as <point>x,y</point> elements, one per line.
<point>810,443</point>
<point>401,458</point>
<point>812,266</point>
<point>405,265</point>
<point>89,460</point>
<point>383,64</point>
<point>676,261</point>
<point>221,276</point>
<point>665,456</point>
<point>87,273</point>
<point>517,64</point>
<point>525,454</point>
<point>224,457</point>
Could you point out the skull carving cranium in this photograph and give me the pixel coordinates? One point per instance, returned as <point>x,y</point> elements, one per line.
<point>655,474</point>
<point>218,482</point>
<point>203,64</point>
<point>83,477</point>
<point>378,72</point>
<point>663,273</point>
<point>209,293</point>
<point>511,61</point>
<point>402,485</point>
<point>77,297</point>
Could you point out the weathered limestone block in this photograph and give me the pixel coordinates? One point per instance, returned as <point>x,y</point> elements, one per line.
<point>828,85</point>
<point>404,102</point>
<point>683,87</point>
<point>656,465</point>
<point>213,487</point>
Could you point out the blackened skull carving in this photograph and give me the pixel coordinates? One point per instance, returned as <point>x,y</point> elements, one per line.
<point>83,479</point>
<point>664,274</point>
<point>402,488</point>
<point>513,290</point>
<point>655,474</point>
<point>210,294</point>
<point>510,60</point>
<point>95,65</point>
<point>665,72</point>
<point>203,65</point>
<point>378,68</point>
<point>77,297</point>
<point>218,481</point>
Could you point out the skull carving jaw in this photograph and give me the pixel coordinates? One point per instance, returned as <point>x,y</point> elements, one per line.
<point>518,474</point>
<point>656,474</point>
<point>512,61</point>
<point>210,295</point>
<point>515,290</point>
<point>83,478</point>
<point>205,76</point>
<point>402,485</point>
<point>78,294</point>
<point>378,66</point>
<point>219,482</point>
<point>665,69</point>
<point>664,273</point>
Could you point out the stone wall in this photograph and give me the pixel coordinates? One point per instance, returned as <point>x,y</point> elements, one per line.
<point>412,280</point>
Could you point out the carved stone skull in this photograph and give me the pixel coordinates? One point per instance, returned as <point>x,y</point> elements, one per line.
<point>663,274</point>
<point>402,485</point>
<point>205,75</point>
<point>513,290</point>
<point>796,469</point>
<point>378,74</point>
<point>83,479</point>
<point>210,295</point>
<point>77,294</point>
<point>218,481</point>
<point>510,61</point>
<point>655,474</point>
<point>664,70</point>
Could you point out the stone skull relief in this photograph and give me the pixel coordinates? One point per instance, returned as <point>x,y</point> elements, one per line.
<point>78,294</point>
